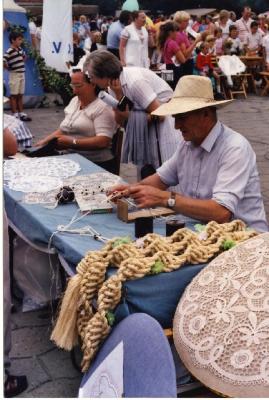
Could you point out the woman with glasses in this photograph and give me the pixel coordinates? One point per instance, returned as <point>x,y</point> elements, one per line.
<point>88,126</point>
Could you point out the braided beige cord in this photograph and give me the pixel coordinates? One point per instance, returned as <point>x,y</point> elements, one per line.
<point>183,247</point>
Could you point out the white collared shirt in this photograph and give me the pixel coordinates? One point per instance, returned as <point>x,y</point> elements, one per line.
<point>223,168</point>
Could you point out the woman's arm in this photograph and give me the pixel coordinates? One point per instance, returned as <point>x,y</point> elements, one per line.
<point>180,57</point>
<point>82,143</point>
<point>46,139</point>
<point>123,43</point>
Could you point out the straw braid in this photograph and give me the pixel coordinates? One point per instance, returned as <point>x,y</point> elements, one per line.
<point>183,247</point>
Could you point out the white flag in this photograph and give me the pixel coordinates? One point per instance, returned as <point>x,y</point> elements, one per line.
<point>56,37</point>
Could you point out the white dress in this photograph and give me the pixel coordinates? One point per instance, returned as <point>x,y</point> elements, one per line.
<point>136,50</point>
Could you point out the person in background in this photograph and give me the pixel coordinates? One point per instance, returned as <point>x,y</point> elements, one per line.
<point>181,18</point>
<point>172,55</point>
<point>78,52</point>
<point>134,42</point>
<point>243,24</point>
<point>14,59</point>
<point>218,42</point>
<point>203,24</point>
<point>83,29</point>
<point>265,46</point>
<point>263,27</point>
<point>88,126</point>
<point>233,45</point>
<point>204,65</point>
<point>233,16</point>
<point>253,42</point>
<point>114,32</point>
<point>33,30</point>
<point>210,24</point>
<point>210,40</point>
<point>224,23</point>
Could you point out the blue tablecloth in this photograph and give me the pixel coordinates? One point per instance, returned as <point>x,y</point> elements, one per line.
<point>155,295</point>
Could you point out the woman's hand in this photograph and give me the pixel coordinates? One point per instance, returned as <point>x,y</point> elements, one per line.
<point>64,142</point>
<point>115,85</point>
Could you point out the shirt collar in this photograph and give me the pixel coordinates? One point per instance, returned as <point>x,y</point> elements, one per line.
<point>211,138</point>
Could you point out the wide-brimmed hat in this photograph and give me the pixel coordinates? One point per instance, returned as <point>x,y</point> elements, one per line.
<point>191,93</point>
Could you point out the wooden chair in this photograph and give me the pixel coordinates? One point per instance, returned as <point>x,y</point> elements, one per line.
<point>240,87</point>
<point>265,76</point>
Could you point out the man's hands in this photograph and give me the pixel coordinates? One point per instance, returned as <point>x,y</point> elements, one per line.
<point>144,196</point>
<point>148,196</point>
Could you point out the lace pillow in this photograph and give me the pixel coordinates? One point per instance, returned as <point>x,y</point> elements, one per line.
<point>221,325</point>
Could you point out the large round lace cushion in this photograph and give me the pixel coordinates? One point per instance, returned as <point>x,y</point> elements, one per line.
<point>221,325</point>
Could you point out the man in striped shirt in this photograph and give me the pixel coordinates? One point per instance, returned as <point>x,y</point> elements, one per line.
<point>14,61</point>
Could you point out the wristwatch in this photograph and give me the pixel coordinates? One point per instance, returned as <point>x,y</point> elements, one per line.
<point>171,202</point>
<point>74,142</point>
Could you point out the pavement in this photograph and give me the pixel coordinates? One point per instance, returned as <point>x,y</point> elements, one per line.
<point>49,370</point>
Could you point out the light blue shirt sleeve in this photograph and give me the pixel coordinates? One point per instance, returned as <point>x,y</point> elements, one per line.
<point>235,168</point>
<point>168,170</point>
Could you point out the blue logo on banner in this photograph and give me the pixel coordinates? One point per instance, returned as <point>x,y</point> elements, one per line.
<point>57,48</point>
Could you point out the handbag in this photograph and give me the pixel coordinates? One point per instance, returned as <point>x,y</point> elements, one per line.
<point>149,169</point>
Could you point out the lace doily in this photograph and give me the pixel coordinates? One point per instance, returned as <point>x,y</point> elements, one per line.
<point>221,325</point>
<point>40,184</point>
<point>16,171</point>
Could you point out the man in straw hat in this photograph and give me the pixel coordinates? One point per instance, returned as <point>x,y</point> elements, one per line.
<point>214,166</point>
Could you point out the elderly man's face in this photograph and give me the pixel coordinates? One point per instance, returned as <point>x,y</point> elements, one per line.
<point>193,126</point>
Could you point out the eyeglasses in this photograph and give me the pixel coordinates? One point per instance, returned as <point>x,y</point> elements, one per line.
<point>76,85</point>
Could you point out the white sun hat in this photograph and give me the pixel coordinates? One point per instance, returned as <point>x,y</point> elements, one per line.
<point>191,93</point>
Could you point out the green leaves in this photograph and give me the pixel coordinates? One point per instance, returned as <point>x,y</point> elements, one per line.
<point>110,318</point>
<point>228,244</point>
<point>157,268</point>
<point>124,240</point>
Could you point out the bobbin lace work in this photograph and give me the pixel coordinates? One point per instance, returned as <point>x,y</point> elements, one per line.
<point>29,175</point>
<point>155,254</point>
<point>221,325</point>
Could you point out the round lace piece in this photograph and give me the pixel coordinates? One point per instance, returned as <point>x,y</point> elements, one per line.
<point>50,166</point>
<point>221,325</point>
<point>37,184</point>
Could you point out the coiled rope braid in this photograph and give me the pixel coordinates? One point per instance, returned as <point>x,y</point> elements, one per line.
<point>157,254</point>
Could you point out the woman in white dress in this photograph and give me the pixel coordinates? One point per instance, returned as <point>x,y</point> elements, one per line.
<point>147,91</point>
<point>134,42</point>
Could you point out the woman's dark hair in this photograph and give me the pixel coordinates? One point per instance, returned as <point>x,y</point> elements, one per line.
<point>165,30</point>
<point>103,64</point>
<point>125,17</point>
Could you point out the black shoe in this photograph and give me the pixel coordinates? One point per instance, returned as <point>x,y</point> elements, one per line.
<point>218,96</point>
<point>25,118</point>
<point>14,385</point>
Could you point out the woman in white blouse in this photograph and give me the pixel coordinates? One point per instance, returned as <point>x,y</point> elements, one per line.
<point>224,23</point>
<point>88,126</point>
<point>134,42</point>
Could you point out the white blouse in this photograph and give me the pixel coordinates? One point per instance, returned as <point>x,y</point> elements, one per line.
<point>97,119</point>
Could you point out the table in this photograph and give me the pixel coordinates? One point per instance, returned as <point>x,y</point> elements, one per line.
<point>155,295</point>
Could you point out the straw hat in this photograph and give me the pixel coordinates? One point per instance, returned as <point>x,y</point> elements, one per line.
<point>191,93</point>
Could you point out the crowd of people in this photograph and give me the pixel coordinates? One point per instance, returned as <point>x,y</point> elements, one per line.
<point>186,158</point>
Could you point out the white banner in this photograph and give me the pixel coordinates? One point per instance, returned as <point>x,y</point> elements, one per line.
<point>56,37</point>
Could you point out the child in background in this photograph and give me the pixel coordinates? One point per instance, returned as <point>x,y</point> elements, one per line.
<point>233,44</point>
<point>14,59</point>
<point>204,65</point>
<point>254,40</point>
<point>210,39</point>
<point>218,42</point>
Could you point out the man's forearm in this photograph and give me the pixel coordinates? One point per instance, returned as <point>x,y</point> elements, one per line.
<point>153,180</point>
<point>204,210</point>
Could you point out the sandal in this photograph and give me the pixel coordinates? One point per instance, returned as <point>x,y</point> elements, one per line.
<point>15,385</point>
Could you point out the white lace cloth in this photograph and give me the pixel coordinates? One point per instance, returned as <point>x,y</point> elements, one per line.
<point>221,325</point>
<point>38,174</point>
